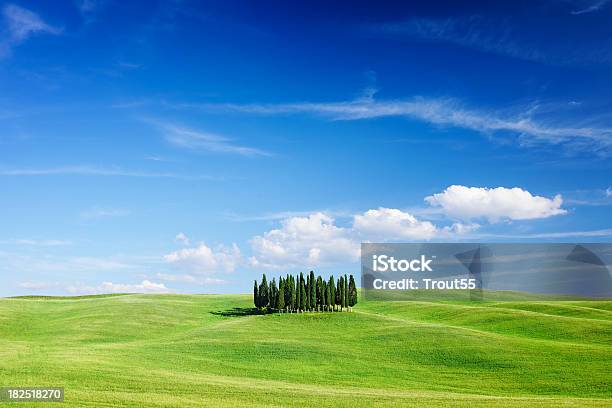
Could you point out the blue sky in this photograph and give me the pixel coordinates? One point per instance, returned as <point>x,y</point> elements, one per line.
<point>182,146</point>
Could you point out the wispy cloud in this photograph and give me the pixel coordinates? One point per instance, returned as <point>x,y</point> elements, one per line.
<point>20,24</point>
<point>97,212</point>
<point>95,171</point>
<point>525,125</point>
<point>198,140</point>
<point>589,197</point>
<point>146,286</point>
<point>472,32</point>
<point>89,6</point>
<point>544,235</point>
<point>591,7</point>
<point>495,36</point>
<point>280,215</point>
<point>193,279</point>
<point>36,242</point>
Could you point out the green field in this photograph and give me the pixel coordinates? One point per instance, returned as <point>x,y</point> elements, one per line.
<point>209,350</point>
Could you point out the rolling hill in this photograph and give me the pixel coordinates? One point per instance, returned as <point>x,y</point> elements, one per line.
<point>212,350</point>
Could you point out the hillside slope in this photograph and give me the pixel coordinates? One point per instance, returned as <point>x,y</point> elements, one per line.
<point>209,350</point>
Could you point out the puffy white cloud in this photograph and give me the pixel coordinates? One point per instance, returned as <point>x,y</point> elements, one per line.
<point>495,204</point>
<point>204,260</point>
<point>305,241</point>
<point>390,223</point>
<point>316,240</point>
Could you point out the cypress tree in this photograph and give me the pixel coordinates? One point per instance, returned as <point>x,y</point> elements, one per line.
<point>312,291</point>
<point>324,294</point>
<point>319,294</point>
<point>345,291</point>
<point>302,292</point>
<point>280,302</point>
<point>293,293</point>
<point>255,295</point>
<point>263,292</point>
<point>298,293</point>
<point>287,293</point>
<point>273,294</point>
<point>327,296</point>
<point>352,295</point>
<point>339,287</point>
<point>307,286</point>
<point>332,292</point>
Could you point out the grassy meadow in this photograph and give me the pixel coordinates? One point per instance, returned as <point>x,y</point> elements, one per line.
<point>210,350</point>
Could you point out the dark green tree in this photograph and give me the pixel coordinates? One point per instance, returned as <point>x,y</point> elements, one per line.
<point>339,286</point>
<point>273,296</point>
<point>287,293</point>
<point>280,301</point>
<point>255,295</point>
<point>302,293</point>
<point>292,288</point>
<point>352,292</point>
<point>319,294</point>
<point>332,292</point>
<point>345,291</point>
<point>263,292</point>
<point>326,301</point>
<point>312,291</point>
<point>308,285</point>
<point>298,294</point>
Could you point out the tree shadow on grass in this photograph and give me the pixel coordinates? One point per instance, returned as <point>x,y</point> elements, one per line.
<point>238,312</point>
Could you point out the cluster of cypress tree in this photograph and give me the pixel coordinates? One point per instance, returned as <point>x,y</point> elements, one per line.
<point>310,294</point>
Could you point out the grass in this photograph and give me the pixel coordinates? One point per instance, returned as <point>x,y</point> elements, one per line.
<point>209,350</point>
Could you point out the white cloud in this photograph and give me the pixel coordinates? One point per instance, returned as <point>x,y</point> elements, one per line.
<point>609,192</point>
<point>20,24</point>
<point>182,239</point>
<point>390,223</point>
<point>304,241</point>
<point>525,126</point>
<point>315,240</point>
<point>495,204</point>
<point>204,260</point>
<point>145,286</point>
<point>198,140</point>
